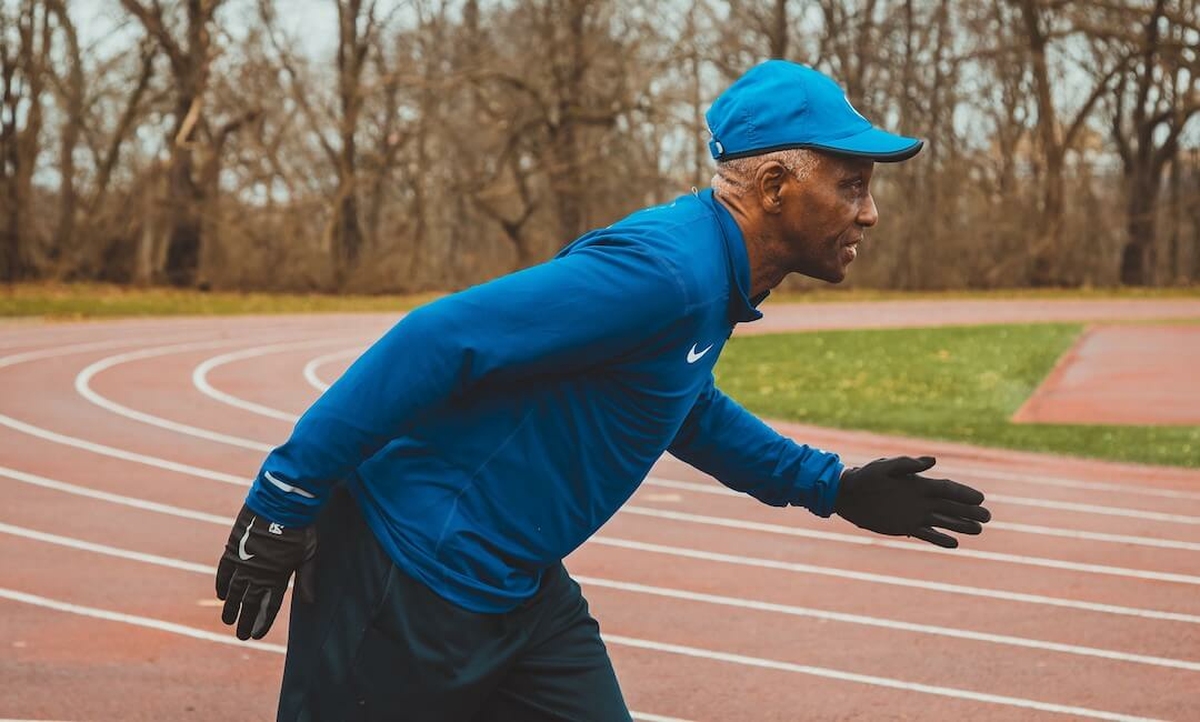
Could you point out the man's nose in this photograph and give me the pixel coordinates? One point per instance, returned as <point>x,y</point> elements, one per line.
<point>868,214</point>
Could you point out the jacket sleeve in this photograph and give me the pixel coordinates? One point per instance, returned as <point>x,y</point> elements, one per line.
<point>576,312</point>
<point>721,438</point>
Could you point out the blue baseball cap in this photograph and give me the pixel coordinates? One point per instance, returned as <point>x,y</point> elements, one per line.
<point>779,105</point>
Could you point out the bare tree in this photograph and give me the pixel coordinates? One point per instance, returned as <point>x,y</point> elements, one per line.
<point>1056,137</point>
<point>71,93</point>
<point>345,232</point>
<point>1156,96</point>
<point>190,58</point>
<point>25,43</point>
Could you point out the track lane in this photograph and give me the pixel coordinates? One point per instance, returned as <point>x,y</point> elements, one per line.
<point>769,648</point>
<point>271,376</point>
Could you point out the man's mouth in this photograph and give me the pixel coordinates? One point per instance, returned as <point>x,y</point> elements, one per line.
<point>849,252</point>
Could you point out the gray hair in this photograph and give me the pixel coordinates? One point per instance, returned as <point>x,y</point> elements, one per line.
<point>734,177</point>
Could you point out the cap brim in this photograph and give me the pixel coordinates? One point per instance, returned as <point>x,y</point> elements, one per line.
<point>878,145</point>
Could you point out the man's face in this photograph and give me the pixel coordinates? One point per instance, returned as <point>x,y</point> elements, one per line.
<point>825,216</point>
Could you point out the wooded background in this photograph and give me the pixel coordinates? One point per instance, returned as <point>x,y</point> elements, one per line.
<point>401,146</point>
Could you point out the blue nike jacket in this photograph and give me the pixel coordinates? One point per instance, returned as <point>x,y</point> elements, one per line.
<point>490,433</point>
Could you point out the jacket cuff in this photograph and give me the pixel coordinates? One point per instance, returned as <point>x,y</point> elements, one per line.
<point>281,502</point>
<point>824,490</point>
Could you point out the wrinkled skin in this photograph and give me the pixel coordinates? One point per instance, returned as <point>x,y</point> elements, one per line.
<point>824,217</point>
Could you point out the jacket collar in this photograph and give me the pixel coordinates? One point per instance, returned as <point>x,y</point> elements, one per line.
<point>742,308</point>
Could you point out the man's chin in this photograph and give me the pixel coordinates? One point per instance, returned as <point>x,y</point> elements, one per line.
<point>826,277</point>
<point>834,276</point>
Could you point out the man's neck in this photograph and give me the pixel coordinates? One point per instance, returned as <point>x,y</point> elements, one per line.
<point>765,271</point>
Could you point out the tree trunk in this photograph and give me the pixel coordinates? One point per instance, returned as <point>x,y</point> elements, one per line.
<point>63,243</point>
<point>346,231</point>
<point>565,150</point>
<point>779,34</point>
<point>1138,256</point>
<point>183,201</point>
<point>20,147</point>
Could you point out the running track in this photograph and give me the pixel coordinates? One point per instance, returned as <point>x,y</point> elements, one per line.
<point>125,447</point>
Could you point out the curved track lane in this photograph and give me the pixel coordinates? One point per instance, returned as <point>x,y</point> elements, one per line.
<point>126,446</point>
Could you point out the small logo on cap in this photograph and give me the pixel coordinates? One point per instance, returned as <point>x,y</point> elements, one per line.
<point>853,109</point>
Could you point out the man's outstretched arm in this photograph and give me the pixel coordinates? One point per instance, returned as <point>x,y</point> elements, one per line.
<point>886,496</point>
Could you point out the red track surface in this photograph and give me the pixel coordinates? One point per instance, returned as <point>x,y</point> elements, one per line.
<point>1081,600</point>
<point>1126,374</point>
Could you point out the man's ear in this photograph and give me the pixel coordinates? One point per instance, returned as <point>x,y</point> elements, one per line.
<point>769,179</point>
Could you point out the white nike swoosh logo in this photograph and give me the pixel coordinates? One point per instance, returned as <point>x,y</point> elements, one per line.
<point>242,554</point>
<point>694,356</point>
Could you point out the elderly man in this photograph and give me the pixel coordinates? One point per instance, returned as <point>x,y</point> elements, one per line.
<point>487,435</point>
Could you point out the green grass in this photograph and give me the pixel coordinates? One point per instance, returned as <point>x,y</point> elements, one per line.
<point>958,383</point>
<point>824,293</point>
<point>92,300</point>
<point>87,300</point>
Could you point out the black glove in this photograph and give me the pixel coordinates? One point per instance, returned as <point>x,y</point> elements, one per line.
<point>889,496</point>
<point>253,573</point>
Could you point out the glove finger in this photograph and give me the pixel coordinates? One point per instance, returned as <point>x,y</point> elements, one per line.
<point>233,600</point>
<point>935,537</point>
<point>953,491</point>
<point>225,570</point>
<point>966,511</point>
<point>267,610</point>
<point>251,608</point>
<point>904,465</point>
<point>954,523</point>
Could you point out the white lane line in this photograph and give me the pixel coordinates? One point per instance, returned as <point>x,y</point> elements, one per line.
<point>1067,483</point>
<point>239,481</point>
<point>56,485</point>
<point>310,368</point>
<point>116,453</point>
<point>1057,481</point>
<point>81,385</point>
<point>676,551</point>
<point>1145,541</point>
<point>658,646</point>
<point>867,679</point>
<point>201,372</point>
<point>717,489</point>
<point>137,621</point>
<point>1095,509</point>
<point>891,580</point>
<point>46,353</point>
<point>186,631</point>
<point>310,376</point>
<point>796,611</point>
<point>983,472</point>
<point>673,593</point>
<point>105,549</point>
<point>83,388</point>
<point>910,546</point>
<point>94,447</point>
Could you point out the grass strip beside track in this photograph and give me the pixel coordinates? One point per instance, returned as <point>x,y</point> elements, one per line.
<point>76,301</point>
<point>954,383</point>
<point>90,300</point>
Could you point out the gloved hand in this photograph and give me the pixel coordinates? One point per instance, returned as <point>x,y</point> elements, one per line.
<point>253,573</point>
<point>889,496</point>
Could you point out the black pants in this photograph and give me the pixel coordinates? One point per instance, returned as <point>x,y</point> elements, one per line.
<point>378,645</point>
